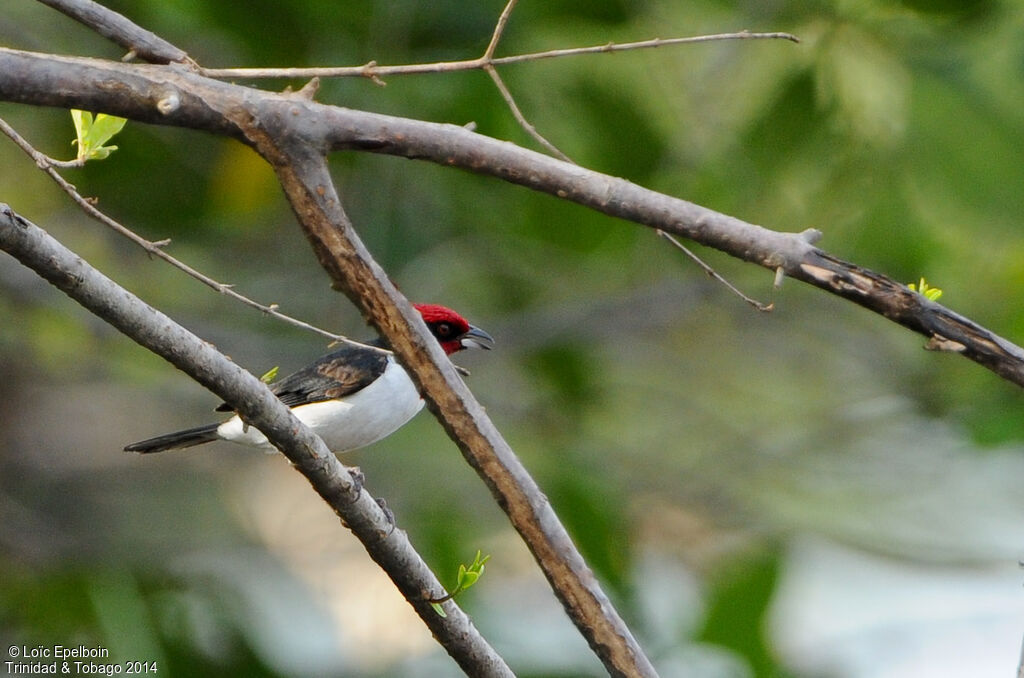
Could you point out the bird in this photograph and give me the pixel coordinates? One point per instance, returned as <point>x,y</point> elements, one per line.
<point>351,397</point>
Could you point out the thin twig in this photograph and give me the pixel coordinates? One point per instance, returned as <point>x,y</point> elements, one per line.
<point>65,164</point>
<point>488,57</point>
<point>642,44</point>
<point>499,30</point>
<point>520,118</point>
<point>373,70</point>
<point>47,164</point>
<point>487,61</point>
<point>714,274</point>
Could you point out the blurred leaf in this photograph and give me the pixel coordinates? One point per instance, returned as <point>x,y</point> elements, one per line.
<point>48,606</point>
<point>242,186</point>
<point>864,84</point>
<point>590,506</point>
<point>967,10</point>
<point>737,605</point>
<point>59,340</point>
<point>567,374</point>
<point>466,578</point>
<point>616,130</point>
<point>124,615</point>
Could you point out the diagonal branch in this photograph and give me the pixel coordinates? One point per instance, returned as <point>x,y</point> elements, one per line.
<point>388,546</point>
<point>499,30</point>
<point>488,67</point>
<point>70,82</point>
<point>304,175</point>
<point>119,29</point>
<point>712,273</point>
<point>520,118</point>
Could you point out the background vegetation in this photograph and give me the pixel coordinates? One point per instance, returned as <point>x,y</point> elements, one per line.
<point>801,493</point>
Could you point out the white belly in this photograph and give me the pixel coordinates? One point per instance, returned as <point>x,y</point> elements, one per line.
<point>365,417</point>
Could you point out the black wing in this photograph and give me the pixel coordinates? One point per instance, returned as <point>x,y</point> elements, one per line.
<point>337,374</point>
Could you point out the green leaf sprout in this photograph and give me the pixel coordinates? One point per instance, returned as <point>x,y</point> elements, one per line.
<point>468,575</point>
<point>270,375</point>
<point>925,290</point>
<point>93,132</point>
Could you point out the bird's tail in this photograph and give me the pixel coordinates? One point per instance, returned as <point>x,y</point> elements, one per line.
<point>176,440</point>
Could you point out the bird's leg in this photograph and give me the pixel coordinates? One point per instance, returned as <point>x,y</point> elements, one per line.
<point>389,514</point>
<point>358,479</point>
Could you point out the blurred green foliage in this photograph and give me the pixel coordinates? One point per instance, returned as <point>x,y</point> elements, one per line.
<point>659,414</point>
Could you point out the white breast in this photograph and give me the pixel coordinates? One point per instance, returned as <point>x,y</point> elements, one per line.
<point>365,417</point>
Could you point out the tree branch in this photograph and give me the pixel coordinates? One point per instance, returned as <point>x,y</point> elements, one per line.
<point>29,78</point>
<point>119,29</point>
<point>499,29</point>
<point>386,544</point>
<point>268,123</point>
<point>375,71</point>
<point>304,175</point>
<point>520,118</point>
<point>294,133</point>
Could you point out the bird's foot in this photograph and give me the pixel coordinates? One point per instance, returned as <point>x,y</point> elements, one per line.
<point>358,479</point>
<point>389,514</point>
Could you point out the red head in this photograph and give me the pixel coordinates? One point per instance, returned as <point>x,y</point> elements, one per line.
<point>452,331</point>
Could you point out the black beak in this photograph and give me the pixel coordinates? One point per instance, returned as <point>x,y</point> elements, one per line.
<point>476,338</point>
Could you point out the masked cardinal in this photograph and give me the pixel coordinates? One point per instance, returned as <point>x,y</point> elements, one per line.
<point>351,397</point>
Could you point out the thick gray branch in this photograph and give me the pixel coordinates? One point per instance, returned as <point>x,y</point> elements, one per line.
<point>387,545</point>
<point>136,91</point>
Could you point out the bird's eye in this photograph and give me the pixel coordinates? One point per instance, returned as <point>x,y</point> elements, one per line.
<point>444,329</point>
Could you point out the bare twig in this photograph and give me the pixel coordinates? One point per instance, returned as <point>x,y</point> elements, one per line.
<point>77,163</point>
<point>499,30</point>
<point>641,44</point>
<point>155,249</point>
<point>713,273</point>
<point>520,118</point>
<point>487,61</point>
<point>374,70</point>
<point>389,547</point>
<point>119,29</point>
<point>488,67</point>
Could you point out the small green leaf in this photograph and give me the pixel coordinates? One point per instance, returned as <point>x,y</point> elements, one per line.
<point>83,122</point>
<point>439,610</point>
<point>925,290</point>
<point>469,579</point>
<point>269,375</point>
<point>468,575</point>
<point>93,132</point>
